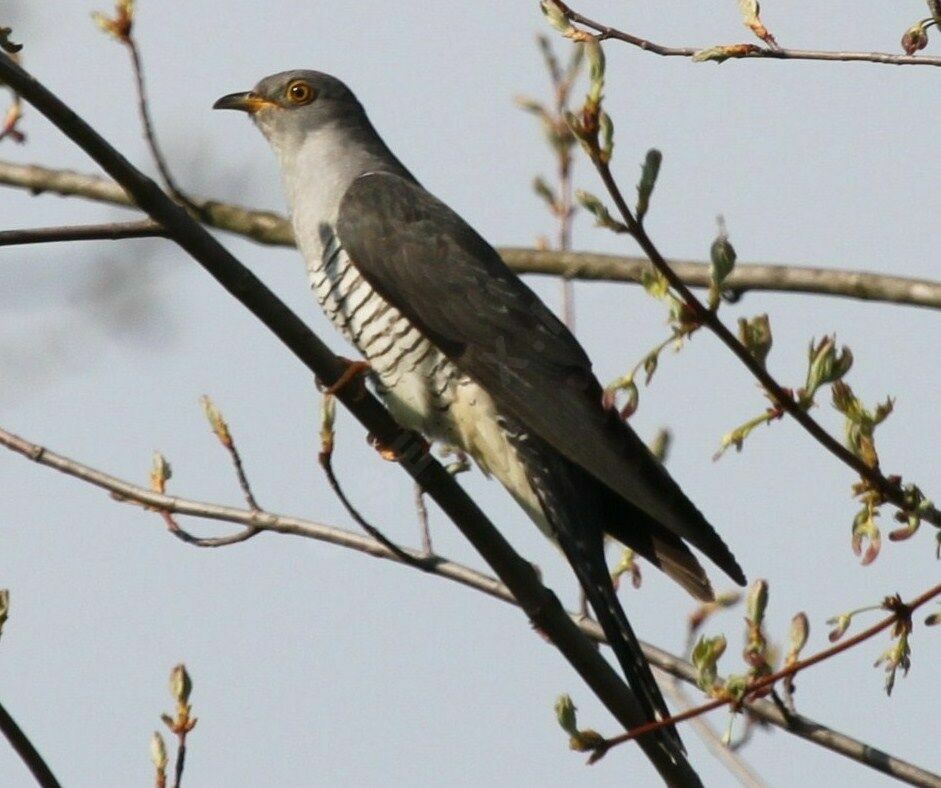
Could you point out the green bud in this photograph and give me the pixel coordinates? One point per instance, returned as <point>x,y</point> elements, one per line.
<point>158,752</point>
<point>596,66</point>
<point>798,635</point>
<point>555,16</point>
<point>586,740</point>
<point>757,601</point>
<point>655,283</point>
<point>755,335</point>
<point>722,256</point>
<point>705,656</point>
<point>648,179</point>
<point>825,365</point>
<point>565,713</point>
<point>180,684</point>
<point>596,208</point>
<point>606,132</point>
<point>160,473</point>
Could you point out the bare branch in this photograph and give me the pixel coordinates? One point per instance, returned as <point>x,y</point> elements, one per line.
<point>270,228</point>
<point>25,749</point>
<point>889,488</point>
<point>744,51</point>
<point>111,231</point>
<point>258,521</point>
<point>728,757</point>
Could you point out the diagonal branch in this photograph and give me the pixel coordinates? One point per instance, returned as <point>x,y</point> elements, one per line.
<point>25,749</point>
<point>744,51</point>
<point>258,521</point>
<point>270,228</point>
<point>540,604</point>
<point>889,488</point>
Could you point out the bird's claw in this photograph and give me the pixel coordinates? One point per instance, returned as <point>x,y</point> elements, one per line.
<point>353,372</point>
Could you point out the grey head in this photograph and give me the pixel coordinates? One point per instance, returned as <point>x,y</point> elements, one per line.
<point>315,125</point>
<point>289,105</point>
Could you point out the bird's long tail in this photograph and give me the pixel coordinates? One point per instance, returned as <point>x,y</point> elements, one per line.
<point>577,513</point>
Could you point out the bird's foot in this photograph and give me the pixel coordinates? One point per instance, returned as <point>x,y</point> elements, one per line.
<point>354,372</point>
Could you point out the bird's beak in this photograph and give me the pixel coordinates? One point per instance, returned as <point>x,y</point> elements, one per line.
<point>244,102</point>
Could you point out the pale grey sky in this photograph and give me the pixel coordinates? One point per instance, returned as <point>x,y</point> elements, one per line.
<point>317,666</point>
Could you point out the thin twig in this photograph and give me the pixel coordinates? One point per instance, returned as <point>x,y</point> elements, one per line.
<point>728,757</point>
<point>25,749</point>
<point>890,489</point>
<point>762,684</point>
<point>270,228</point>
<point>150,135</point>
<point>746,52</point>
<point>765,710</point>
<point>110,231</point>
<point>403,555</point>
<point>423,526</point>
<point>180,759</point>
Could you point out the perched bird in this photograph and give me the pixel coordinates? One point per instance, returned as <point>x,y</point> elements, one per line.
<point>461,350</point>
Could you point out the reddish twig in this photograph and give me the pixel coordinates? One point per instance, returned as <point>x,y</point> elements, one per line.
<point>902,612</point>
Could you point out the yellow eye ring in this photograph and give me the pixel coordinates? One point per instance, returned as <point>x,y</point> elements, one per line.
<point>300,93</point>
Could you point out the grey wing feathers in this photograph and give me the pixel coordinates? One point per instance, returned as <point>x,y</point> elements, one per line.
<point>435,269</point>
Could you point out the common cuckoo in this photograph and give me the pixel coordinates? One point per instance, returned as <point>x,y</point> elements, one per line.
<point>462,351</point>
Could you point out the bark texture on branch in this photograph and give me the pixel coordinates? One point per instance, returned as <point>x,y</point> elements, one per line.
<point>271,228</point>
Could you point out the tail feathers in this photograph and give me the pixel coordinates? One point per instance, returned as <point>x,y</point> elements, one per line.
<point>603,600</point>
<point>577,508</point>
<point>635,529</point>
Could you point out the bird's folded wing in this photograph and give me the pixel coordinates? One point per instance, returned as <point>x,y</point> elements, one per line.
<point>454,287</point>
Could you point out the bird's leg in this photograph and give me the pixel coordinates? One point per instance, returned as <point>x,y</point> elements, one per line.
<point>353,372</point>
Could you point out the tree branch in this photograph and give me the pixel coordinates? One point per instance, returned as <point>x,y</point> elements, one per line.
<point>765,683</point>
<point>540,604</point>
<point>745,51</point>
<point>889,488</point>
<point>111,231</point>
<point>25,749</point>
<point>270,228</point>
<point>258,521</point>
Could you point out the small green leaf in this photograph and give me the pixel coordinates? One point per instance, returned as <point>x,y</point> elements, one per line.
<point>755,335</point>
<point>648,179</point>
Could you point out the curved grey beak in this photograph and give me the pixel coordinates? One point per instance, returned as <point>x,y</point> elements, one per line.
<point>244,102</point>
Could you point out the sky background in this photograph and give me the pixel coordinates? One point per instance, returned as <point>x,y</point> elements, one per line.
<point>318,666</point>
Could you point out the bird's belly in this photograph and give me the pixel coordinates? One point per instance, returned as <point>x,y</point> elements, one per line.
<point>423,390</point>
<point>416,381</point>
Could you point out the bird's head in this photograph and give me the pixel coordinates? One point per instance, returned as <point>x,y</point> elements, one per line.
<point>290,105</point>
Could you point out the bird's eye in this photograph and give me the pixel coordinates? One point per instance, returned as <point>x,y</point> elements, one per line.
<point>300,93</point>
